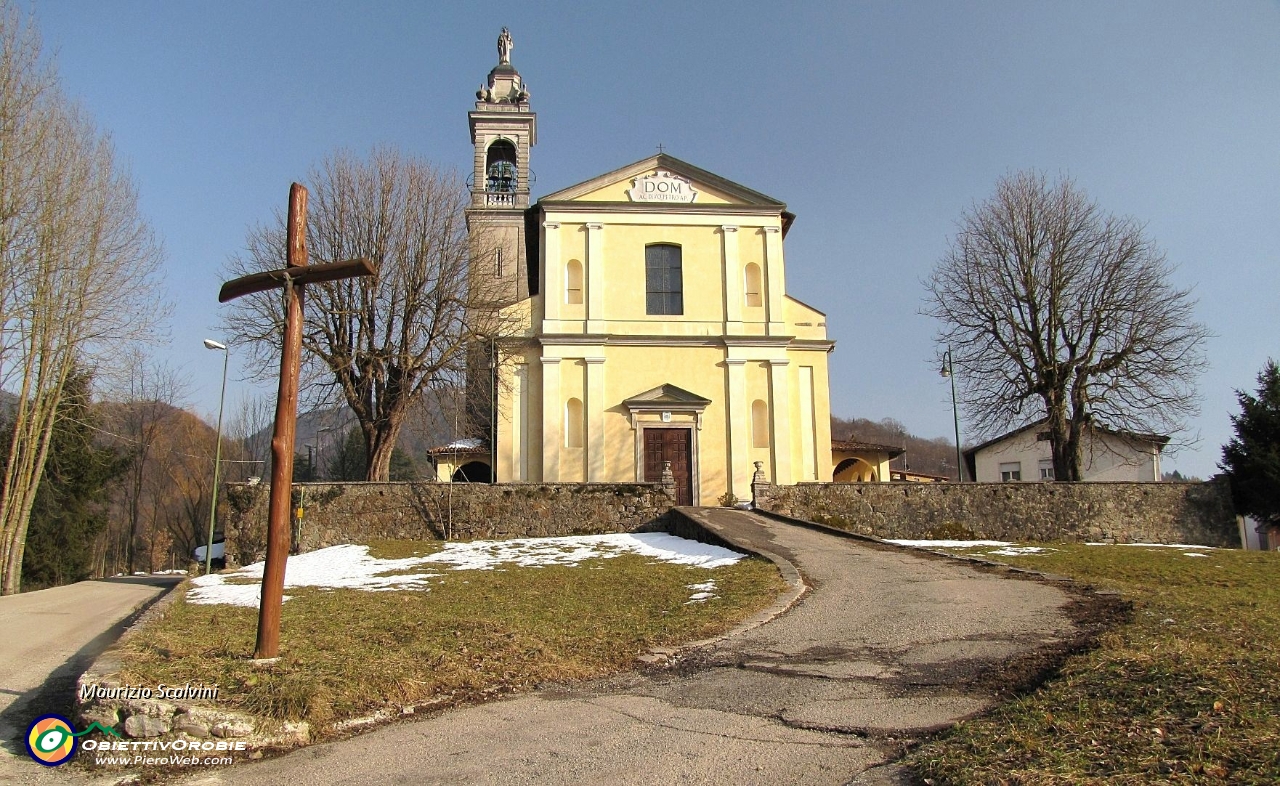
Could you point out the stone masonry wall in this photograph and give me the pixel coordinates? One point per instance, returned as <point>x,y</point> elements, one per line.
<point>338,513</point>
<point>1199,513</point>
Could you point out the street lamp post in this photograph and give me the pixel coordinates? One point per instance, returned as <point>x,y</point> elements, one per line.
<point>217,452</point>
<point>319,437</point>
<point>948,370</point>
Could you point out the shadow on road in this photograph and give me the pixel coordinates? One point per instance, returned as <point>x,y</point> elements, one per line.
<point>57,693</point>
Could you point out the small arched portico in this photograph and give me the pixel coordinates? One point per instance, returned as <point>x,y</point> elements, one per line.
<point>473,472</point>
<point>854,470</point>
<point>861,462</point>
<point>462,461</point>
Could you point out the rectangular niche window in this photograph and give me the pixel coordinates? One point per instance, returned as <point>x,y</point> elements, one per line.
<point>759,424</point>
<point>751,285</point>
<point>573,283</point>
<point>573,423</point>
<point>663,280</point>
<point>1046,469</point>
<point>1011,471</point>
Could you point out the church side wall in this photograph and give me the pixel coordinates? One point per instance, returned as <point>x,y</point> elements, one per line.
<point>340,513</point>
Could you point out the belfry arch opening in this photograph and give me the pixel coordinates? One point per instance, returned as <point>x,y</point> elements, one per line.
<point>501,173</point>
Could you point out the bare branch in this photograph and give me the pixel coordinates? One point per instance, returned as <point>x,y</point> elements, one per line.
<point>377,343</point>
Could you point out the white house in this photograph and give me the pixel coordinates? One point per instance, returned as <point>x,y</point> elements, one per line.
<point>1025,454</point>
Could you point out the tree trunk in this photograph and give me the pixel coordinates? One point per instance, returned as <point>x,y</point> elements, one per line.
<point>380,442</point>
<point>1064,441</point>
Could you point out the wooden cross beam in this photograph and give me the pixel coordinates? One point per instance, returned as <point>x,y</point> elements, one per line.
<point>295,274</point>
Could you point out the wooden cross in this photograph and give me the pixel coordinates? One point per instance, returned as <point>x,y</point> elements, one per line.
<point>295,273</point>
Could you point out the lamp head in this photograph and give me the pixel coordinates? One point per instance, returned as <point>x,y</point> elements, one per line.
<point>211,344</point>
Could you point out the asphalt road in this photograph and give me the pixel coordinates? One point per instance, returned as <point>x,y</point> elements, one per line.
<point>886,645</point>
<point>49,637</point>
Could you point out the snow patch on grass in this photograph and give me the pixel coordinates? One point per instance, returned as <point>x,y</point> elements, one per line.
<point>1019,551</point>
<point>703,592</point>
<point>530,552</point>
<point>1156,545</point>
<point>351,567</point>
<point>949,544</point>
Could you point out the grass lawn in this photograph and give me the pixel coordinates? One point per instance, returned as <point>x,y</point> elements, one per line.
<point>473,635</point>
<point>1188,691</point>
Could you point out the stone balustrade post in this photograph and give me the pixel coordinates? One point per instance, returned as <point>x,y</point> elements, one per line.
<point>759,487</point>
<point>668,481</point>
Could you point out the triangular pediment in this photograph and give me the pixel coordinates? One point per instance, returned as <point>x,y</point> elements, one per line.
<point>660,181</point>
<point>666,397</point>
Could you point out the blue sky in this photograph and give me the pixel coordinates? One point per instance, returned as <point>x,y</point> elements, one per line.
<point>877,123</point>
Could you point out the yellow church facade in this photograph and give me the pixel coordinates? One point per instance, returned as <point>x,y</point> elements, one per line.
<point>654,322</point>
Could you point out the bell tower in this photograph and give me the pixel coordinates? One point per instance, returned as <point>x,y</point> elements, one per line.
<point>503,129</point>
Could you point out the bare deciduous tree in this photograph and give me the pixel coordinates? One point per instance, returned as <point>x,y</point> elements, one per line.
<point>379,342</point>
<point>77,263</point>
<point>1056,309</point>
<point>139,415</point>
<point>249,427</point>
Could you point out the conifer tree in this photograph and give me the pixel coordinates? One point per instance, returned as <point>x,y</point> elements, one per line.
<point>1251,459</point>
<point>68,513</point>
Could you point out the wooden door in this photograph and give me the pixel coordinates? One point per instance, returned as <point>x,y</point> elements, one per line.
<point>670,444</point>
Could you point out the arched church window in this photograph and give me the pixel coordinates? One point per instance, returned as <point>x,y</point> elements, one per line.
<point>752,284</point>
<point>759,424</point>
<point>573,283</point>
<point>664,281</point>
<point>573,423</point>
<point>501,174</point>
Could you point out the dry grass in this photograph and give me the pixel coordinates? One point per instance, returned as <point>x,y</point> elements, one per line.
<point>474,635</point>
<point>1187,692</point>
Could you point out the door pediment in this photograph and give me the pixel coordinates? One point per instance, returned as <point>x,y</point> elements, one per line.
<point>667,396</point>
<point>665,402</point>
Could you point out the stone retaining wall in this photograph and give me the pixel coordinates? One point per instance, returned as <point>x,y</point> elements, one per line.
<point>1199,513</point>
<point>145,712</point>
<point>338,513</point>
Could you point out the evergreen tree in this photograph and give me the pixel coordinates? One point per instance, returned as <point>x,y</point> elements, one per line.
<point>1251,459</point>
<point>349,461</point>
<point>68,512</point>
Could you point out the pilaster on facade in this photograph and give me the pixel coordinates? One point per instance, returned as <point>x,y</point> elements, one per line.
<point>595,407</point>
<point>517,471</point>
<point>733,280</point>
<point>739,418</point>
<point>595,277</point>
<point>779,391</point>
<point>775,277</point>
<point>552,417</point>
<point>552,285</point>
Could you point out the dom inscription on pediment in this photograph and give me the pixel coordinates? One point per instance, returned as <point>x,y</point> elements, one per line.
<point>661,186</point>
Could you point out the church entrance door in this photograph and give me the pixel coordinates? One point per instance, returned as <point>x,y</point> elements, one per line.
<point>674,445</point>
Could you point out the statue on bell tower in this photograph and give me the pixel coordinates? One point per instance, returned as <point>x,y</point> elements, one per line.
<point>504,85</point>
<point>504,47</point>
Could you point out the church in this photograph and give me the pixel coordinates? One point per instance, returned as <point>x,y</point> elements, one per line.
<point>653,319</point>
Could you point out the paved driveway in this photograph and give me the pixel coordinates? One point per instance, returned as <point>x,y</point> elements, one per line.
<point>49,637</point>
<point>887,644</point>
